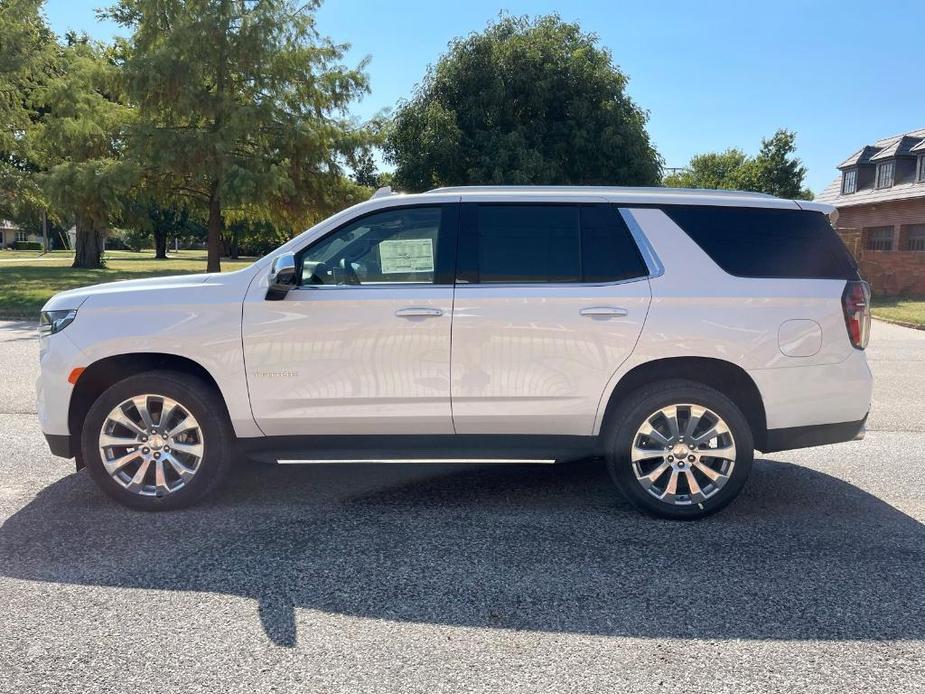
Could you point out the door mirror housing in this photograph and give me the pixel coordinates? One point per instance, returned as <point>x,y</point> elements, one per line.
<point>282,277</point>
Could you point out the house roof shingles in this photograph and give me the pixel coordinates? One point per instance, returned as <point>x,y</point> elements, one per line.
<point>907,144</point>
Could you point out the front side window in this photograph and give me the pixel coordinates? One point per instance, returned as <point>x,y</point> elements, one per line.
<point>878,239</point>
<point>915,238</point>
<point>849,183</point>
<point>885,173</point>
<point>549,244</point>
<point>398,246</point>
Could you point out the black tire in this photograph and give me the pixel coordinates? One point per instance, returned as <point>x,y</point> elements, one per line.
<point>630,416</point>
<point>200,400</point>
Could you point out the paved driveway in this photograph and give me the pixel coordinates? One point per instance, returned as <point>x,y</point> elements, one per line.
<point>431,578</point>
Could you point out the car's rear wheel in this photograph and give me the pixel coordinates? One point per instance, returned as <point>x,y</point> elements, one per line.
<point>679,449</point>
<point>157,440</point>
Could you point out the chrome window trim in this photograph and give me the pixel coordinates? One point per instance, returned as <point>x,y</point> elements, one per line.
<point>501,285</point>
<point>382,285</point>
<point>652,261</point>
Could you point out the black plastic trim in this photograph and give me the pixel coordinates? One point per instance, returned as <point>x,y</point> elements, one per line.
<point>816,435</point>
<point>60,445</point>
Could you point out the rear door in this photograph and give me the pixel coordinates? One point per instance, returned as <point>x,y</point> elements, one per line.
<point>550,300</point>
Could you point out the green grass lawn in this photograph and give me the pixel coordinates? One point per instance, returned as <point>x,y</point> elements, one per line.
<point>909,310</point>
<point>28,279</point>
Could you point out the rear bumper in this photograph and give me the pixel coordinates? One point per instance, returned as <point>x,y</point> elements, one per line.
<point>798,397</point>
<point>816,435</point>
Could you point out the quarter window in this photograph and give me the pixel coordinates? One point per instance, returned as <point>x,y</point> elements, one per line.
<point>849,183</point>
<point>761,242</point>
<point>878,239</point>
<point>915,238</point>
<point>399,246</point>
<point>551,243</point>
<point>885,173</point>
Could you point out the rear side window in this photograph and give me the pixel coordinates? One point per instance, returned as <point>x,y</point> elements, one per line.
<point>756,242</point>
<point>547,243</point>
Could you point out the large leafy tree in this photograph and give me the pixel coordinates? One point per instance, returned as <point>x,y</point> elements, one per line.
<point>524,102</point>
<point>775,169</point>
<point>241,108</point>
<point>27,54</point>
<point>79,141</point>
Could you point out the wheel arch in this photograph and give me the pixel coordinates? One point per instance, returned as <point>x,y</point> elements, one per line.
<point>728,378</point>
<point>105,372</point>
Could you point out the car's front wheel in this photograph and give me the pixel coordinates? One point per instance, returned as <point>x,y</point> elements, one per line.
<point>679,449</point>
<point>157,440</point>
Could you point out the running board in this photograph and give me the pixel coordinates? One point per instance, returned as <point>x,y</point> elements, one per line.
<point>438,461</point>
<point>450,449</point>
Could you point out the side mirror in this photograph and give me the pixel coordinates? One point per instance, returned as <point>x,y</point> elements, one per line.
<point>282,277</point>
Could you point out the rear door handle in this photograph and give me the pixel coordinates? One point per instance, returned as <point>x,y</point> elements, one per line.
<point>597,311</point>
<point>418,312</point>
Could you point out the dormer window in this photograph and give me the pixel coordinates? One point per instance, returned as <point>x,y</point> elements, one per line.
<point>920,170</point>
<point>885,172</point>
<point>849,181</point>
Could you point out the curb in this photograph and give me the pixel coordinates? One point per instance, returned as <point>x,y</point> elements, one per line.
<point>903,324</point>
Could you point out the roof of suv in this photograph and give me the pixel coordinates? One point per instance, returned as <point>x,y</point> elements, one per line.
<point>639,196</point>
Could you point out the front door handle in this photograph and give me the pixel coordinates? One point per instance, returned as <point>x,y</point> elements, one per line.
<point>418,312</point>
<point>598,311</point>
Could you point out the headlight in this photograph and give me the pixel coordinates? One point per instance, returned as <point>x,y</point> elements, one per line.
<point>51,322</point>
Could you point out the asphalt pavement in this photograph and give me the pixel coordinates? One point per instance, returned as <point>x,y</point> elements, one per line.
<point>488,579</point>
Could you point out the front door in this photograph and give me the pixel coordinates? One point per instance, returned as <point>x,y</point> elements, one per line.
<point>362,345</point>
<point>550,301</point>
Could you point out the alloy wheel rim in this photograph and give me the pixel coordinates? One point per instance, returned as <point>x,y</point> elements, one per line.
<point>151,445</point>
<point>683,454</point>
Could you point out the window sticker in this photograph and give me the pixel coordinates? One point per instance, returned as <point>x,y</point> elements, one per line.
<point>403,256</point>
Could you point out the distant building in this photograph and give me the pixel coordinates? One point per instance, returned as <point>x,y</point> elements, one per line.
<point>880,197</point>
<point>10,233</point>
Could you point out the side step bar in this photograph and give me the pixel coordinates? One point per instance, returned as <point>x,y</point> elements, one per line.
<point>452,449</point>
<point>445,461</point>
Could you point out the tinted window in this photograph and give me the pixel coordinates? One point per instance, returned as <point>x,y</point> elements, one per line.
<point>608,251</point>
<point>395,246</point>
<point>553,243</point>
<point>755,242</point>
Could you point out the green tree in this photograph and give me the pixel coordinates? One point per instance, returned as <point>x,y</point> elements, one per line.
<point>522,102</point>
<point>79,141</point>
<point>775,170</point>
<point>242,108</point>
<point>27,53</point>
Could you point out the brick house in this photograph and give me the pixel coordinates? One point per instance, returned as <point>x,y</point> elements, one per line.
<point>880,197</point>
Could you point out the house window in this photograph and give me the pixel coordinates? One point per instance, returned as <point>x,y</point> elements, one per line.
<point>920,171</point>
<point>849,181</point>
<point>885,174</point>
<point>915,238</point>
<point>22,236</point>
<point>878,239</point>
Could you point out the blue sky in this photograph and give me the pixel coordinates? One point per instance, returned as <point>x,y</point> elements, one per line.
<point>712,74</point>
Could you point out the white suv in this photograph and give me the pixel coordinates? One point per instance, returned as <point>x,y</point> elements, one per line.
<point>671,332</point>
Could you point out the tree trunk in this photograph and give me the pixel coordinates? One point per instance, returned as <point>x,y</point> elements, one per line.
<point>160,244</point>
<point>88,252</point>
<point>214,239</point>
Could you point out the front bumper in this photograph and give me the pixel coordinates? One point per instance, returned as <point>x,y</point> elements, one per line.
<point>60,445</point>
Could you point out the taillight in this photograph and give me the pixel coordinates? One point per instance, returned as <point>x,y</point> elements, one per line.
<point>855,302</point>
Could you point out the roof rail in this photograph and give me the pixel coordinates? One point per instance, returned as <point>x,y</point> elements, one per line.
<point>603,189</point>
